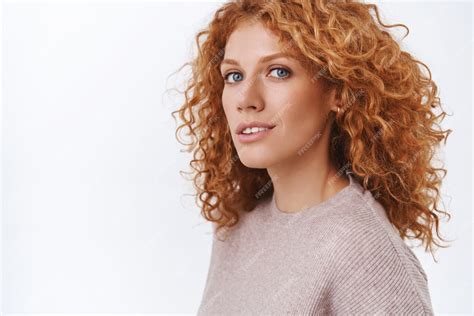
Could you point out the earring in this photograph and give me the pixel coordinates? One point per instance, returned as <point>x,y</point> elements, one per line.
<point>338,110</point>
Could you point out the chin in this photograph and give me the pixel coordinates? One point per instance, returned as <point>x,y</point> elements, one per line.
<point>259,162</point>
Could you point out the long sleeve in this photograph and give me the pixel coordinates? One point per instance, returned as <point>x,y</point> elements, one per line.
<point>339,257</point>
<point>371,276</point>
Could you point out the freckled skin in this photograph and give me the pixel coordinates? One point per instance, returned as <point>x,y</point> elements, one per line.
<point>280,92</point>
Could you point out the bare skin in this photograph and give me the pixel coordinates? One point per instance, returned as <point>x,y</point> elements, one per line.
<point>281,92</point>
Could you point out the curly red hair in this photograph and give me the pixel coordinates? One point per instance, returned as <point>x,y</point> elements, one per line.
<point>386,135</point>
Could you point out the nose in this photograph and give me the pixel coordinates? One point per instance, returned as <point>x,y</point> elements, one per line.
<point>251,96</point>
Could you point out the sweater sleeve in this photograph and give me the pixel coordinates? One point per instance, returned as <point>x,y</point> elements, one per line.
<point>375,275</point>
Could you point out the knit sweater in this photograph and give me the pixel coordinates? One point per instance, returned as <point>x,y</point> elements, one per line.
<point>341,256</point>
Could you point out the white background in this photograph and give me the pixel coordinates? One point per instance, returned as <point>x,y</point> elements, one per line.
<point>95,216</point>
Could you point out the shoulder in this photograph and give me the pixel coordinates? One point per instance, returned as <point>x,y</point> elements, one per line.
<point>373,269</point>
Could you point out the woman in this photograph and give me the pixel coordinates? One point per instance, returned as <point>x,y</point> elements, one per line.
<point>313,136</point>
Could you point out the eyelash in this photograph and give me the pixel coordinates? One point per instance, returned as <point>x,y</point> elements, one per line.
<point>233,72</point>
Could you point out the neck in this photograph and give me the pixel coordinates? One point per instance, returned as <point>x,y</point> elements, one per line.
<point>307,178</point>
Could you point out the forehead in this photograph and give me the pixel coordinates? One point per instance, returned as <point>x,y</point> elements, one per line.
<point>252,38</point>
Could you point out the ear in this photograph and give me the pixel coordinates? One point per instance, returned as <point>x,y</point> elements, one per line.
<point>333,102</point>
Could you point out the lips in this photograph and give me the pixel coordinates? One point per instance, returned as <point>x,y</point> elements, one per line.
<point>240,128</point>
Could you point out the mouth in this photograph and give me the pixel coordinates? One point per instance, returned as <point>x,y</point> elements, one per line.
<point>252,127</point>
<point>254,130</point>
<point>259,134</point>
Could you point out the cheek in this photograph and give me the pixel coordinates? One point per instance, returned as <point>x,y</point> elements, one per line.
<point>226,105</point>
<point>303,119</point>
<point>229,104</point>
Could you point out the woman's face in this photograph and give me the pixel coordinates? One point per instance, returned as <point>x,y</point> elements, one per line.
<point>277,91</point>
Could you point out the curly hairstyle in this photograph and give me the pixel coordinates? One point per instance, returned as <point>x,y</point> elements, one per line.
<point>386,136</point>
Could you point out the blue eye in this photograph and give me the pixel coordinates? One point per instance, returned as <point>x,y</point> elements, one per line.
<point>280,72</point>
<point>231,73</point>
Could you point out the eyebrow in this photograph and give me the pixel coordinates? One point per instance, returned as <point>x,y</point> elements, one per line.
<point>261,60</point>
